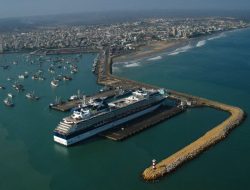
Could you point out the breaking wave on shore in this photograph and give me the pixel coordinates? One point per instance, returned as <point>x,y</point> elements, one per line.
<point>132,64</point>
<point>201,43</point>
<point>155,58</point>
<point>181,50</point>
<point>217,37</point>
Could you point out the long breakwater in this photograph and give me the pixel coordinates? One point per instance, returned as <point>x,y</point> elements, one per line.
<point>171,163</point>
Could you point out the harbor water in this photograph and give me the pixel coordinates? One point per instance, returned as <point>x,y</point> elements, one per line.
<point>216,68</point>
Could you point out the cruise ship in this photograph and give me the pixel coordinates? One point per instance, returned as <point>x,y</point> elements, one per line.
<point>98,116</point>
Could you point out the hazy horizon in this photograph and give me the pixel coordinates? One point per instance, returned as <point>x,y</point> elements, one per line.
<point>23,8</point>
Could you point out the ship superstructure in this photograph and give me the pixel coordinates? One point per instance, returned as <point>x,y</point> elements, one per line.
<point>98,116</point>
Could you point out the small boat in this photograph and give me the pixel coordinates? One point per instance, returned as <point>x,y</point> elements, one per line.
<point>10,95</point>
<point>2,87</point>
<point>18,87</point>
<point>5,67</point>
<point>59,77</point>
<point>21,77</point>
<point>41,78</point>
<point>67,78</point>
<point>8,102</point>
<point>54,83</point>
<point>32,96</point>
<point>35,77</point>
<point>51,70</point>
<point>74,70</point>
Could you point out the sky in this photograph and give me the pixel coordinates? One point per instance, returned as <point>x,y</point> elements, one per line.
<point>18,8</point>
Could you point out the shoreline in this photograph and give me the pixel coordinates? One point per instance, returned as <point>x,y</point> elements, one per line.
<point>152,49</point>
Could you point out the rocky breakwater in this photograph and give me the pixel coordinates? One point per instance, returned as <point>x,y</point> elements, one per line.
<point>192,150</point>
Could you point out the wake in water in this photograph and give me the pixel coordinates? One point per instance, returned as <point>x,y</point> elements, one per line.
<point>155,58</point>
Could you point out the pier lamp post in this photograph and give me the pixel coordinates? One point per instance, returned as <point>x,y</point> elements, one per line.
<point>154,164</point>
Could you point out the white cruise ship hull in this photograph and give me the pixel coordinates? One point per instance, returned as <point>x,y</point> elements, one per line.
<point>103,128</point>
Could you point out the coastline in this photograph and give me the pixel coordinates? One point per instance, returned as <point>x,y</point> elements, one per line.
<point>160,47</point>
<point>152,49</point>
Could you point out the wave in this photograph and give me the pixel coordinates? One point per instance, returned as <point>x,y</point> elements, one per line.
<point>155,58</point>
<point>201,43</point>
<point>133,64</point>
<point>181,50</point>
<point>217,37</point>
<point>115,69</point>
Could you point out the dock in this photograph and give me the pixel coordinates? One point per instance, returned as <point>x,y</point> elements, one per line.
<point>142,123</point>
<point>68,105</point>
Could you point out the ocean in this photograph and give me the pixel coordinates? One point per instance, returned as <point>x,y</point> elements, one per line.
<point>216,68</point>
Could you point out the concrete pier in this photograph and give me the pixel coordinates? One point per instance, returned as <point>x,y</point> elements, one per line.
<point>143,123</point>
<point>212,137</point>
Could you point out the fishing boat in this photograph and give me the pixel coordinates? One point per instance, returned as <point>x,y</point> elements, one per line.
<point>10,95</point>
<point>18,87</point>
<point>21,76</point>
<point>54,83</point>
<point>2,87</point>
<point>32,96</point>
<point>8,102</point>
<point>67,78</point>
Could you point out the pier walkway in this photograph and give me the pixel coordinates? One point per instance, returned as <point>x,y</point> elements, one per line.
<point>189,152</point>
<point>140,124</point>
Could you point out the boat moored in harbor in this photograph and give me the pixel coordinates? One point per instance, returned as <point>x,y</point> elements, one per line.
<point>32,96</point>
<point>8,102</point>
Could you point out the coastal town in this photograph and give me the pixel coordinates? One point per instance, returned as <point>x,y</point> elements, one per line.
<point>120,101</point>
<point>120,37</point>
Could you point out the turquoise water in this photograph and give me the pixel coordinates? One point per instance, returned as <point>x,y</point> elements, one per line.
<point>219,70</point>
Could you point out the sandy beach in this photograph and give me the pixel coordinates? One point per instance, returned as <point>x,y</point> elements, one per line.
<point>149,50</point>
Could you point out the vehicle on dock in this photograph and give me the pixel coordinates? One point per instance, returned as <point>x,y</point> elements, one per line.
<point>76,96</point>
<point>57,102</point>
